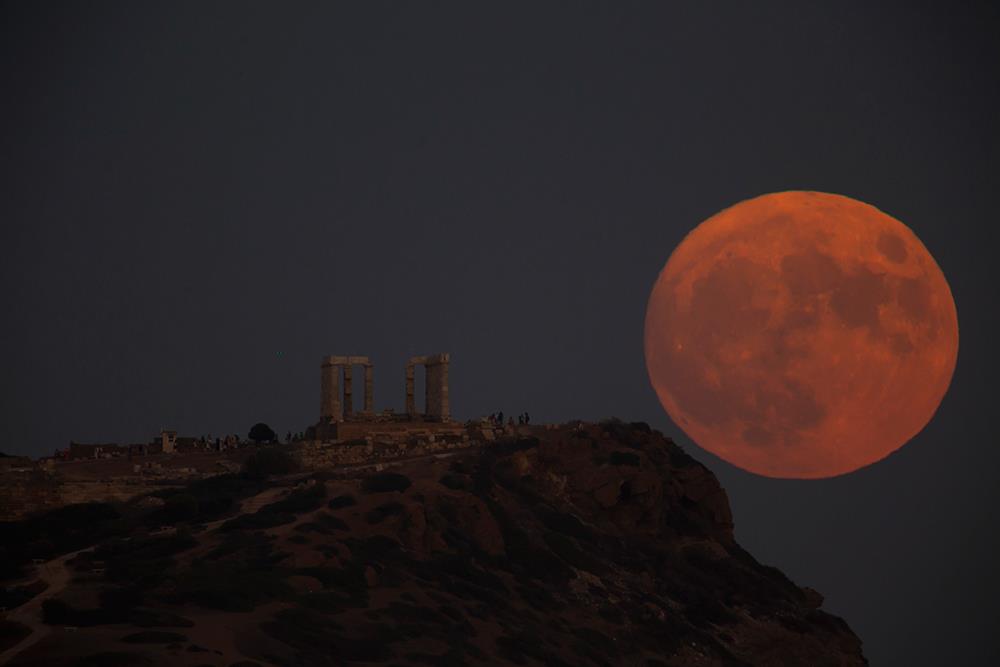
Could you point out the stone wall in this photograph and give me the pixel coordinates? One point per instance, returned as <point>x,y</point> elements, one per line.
<point>391,432</point>
<point>326,455</point>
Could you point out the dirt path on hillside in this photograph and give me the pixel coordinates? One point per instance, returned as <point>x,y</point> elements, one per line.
<point>57,576</point>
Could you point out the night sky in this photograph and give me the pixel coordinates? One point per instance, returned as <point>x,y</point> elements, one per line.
<point>201,200</point>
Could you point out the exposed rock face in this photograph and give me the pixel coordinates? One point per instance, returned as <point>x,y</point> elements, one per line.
<point>593,545</point>
<point>618,549</point>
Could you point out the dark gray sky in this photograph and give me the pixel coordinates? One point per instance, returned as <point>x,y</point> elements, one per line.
<point>201,200</point>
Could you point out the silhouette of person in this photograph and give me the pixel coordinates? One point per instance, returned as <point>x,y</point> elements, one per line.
<point>500,417</point>
<point>527,418</point>
<point>520,419</point>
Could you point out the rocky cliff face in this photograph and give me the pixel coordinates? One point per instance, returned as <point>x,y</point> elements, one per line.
<point>607,544</point>
<point>579,545</point>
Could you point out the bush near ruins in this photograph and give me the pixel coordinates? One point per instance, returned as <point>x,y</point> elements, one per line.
<point>12,597</point>
<point>281,512</point>
<point>181,507</point>
<point>220,495</point>
<point>230,585</point>
<point>385,482</point>
<point>345,500</point>
<point>11,633</point>
<point>258,521</point>
<point>300,500</point>
<point>55,532</point>
<point>154,637</point>
<point>261,432</point>
<point>115,659</point>
<point>58,612</point>
<point>270,461</point>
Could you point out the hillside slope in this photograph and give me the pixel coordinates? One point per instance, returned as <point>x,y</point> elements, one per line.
<point>600,544</point>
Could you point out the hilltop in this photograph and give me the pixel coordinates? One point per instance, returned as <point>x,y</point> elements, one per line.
<point>585,544</point>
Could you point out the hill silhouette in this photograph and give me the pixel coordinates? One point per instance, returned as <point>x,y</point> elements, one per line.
<point>590,544</point>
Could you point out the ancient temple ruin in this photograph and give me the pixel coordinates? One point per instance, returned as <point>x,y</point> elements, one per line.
<point>332,408</point>
<point>337,391</point>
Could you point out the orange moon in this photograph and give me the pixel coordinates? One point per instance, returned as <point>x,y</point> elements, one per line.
<point>801,335</point>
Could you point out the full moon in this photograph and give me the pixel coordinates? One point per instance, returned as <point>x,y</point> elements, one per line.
<point>801,335</point>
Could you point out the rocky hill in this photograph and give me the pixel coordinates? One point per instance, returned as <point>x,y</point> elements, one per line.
<point>593,544</point>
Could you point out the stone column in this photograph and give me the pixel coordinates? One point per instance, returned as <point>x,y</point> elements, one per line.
<point>411,402</point>
<point>438,404</point>
<point>348,393</point>
<point>330,409</point>
<point>444,399</point>
<point>370,388</point>
<point>432,383</point>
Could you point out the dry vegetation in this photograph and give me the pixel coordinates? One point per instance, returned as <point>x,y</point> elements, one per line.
<point>599,545</point>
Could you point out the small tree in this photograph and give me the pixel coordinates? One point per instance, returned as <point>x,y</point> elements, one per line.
<point>261,432</point>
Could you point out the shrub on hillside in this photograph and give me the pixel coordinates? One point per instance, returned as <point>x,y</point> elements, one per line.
<point>154,637</point>
<point>642,427</point>
<point>383,512</point>
<point>180,507</point>
<point>258,521</point>
<point>345,500</point>
<point>385,482</point>
<point>457,482</point>
<point>115,659</point>
<point>218,495</point>
<point>325,524</point>
<point>56,532</point>
<point>616,429</point>
<point>11,633</point>
<point>230,586</point>
<point>301,500</point>
<point>14,596</point>
<point>624,459</point>
<point>270,461</point>
<point>58,612</point>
